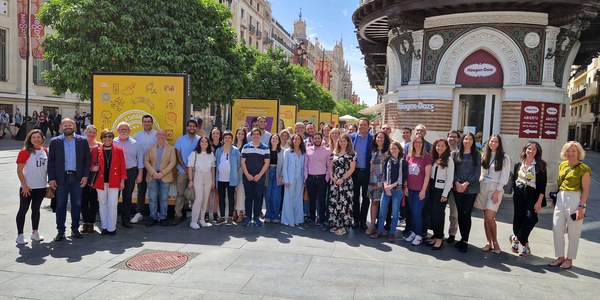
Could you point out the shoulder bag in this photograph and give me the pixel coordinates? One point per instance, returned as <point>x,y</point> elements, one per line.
<point>94,175</point>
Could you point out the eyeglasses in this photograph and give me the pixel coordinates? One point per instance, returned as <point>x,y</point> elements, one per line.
<point>227,156</point>
<point>107,136</point>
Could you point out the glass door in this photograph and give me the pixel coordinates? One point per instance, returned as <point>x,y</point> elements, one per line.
<point>477,111</point>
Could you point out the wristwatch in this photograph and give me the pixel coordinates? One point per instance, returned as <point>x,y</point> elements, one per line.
<point>582,206</point>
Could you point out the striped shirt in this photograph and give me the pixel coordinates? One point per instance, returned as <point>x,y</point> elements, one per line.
<point>255,157</point>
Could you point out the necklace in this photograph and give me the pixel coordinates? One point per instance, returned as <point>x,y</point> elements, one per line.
<point>107,157</point>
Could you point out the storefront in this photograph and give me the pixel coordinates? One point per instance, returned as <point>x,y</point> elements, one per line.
<point>469,68</point>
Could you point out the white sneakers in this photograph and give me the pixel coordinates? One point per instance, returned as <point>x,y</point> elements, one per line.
<point>194,225</point>
<point>203,224</point>
<point>411,237</point>
<point>417,241</point>
<point>138,217</point>
<point>21,239</point>
<point>36,237</point>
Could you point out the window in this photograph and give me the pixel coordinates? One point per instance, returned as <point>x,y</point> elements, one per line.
<point>241,35</point>
<point>242,13</point>
<point>250,40</point>
<point>579,114</point>
<point>258,7</point>
<point>3,54</point>
<point>585,108</point>
<point>39,66</point>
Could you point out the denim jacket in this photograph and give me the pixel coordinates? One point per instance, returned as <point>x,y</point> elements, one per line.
<point>235,158</point>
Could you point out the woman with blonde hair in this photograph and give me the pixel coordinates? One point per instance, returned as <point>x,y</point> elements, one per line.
<point>334,136</point>
<point>573,189</point>
<point>89,195</point>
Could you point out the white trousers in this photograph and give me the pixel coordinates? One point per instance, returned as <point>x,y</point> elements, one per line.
<point>566,204</point>
<point>108,200</point>
<point>240,193</point>
<point>202,186</point>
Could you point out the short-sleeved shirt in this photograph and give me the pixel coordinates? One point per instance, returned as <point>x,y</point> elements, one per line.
<point>572,181</point>
<point>36,167</point>
<point>416,171</point>
<point>255,157</point>
<point>134,158</point>
<point>203,162</point>
<point>185,145</point>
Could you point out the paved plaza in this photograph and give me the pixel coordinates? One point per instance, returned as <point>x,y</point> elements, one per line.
<point>275,262</point>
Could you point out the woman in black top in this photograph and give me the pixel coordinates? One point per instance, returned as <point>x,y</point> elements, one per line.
<point>529,178</point>
<point>216,141</point>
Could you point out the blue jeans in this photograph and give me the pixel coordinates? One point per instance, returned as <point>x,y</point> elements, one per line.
<point>416,210</point>
<point>158,191</point>
<point>69,187</point>
<point>273,195</point>
<point>396,199</point>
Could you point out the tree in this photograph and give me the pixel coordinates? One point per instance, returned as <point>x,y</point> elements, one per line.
<point>272,76</point>
<point>346,107</point>
<point>184,36</point>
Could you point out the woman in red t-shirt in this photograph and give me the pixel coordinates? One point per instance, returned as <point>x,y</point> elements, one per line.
<point>32,170</point>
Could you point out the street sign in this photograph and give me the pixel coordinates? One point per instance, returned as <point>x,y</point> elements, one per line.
<point>529,123</point>
<point>550,120</point>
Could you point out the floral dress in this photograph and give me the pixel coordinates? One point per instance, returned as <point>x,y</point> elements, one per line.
<point>340,203</point>
<point>375,181</point>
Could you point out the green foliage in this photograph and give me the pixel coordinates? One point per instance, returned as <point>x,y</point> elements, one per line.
<point>272,76</point>
<point>346,107</point>
<point>183,36</point>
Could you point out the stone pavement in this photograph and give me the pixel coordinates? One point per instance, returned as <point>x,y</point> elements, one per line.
<point>275,262</point>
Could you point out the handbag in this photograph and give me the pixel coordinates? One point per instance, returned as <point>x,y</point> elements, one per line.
<point>49,193</point>
<point>94,175</point>
<point>188,194</point>
<point>509,186</point>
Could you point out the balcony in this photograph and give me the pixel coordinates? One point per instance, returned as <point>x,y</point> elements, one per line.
<point>578,95</point>
<point>252,28</point>
<point>267,40</point>
<point>258,34</point>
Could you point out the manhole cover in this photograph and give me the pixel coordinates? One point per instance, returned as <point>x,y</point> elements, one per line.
<point>156,261</point>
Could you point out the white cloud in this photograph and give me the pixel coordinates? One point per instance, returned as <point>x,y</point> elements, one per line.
<point>345,13</point>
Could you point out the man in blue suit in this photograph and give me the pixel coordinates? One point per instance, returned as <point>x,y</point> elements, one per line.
<point>362,146</point>
<point>68,171</point>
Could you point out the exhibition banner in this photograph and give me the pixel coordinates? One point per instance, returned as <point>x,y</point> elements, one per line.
<point>126,97</point>
<point>310,115</point>
<point>335,120</point>
<point>325,117</point>
<point>287,114</point>
<point>245,111</point>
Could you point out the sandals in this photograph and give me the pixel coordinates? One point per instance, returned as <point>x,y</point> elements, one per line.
<point>486,248</point>
<point>497,249</point>
<point>557,262</point>
<point>340,231</point>
<point>333,229</point>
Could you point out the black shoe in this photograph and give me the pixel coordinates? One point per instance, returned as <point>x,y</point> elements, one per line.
<point>112,233</point>
<point>406,231</point>
<point>59,237</point>
<point>464,246</point>
<point>151,222</point>
<point>363,226</point>
<point>163,222</point>
<point>355,226</point>
<point>76,234</point>
<point>450,239</point>
<point>458,244</point>
<point>104,232</point>
<point>126,224</point>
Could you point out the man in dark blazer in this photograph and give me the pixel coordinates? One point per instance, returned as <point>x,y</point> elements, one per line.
<point>68,171</point>
<point>361,141</point>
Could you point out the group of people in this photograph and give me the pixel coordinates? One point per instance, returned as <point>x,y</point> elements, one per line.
<point>344,176</point>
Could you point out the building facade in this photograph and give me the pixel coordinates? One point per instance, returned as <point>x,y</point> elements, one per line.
<point>585,105</point>
<point>13,72</point>
<point>482,66</point>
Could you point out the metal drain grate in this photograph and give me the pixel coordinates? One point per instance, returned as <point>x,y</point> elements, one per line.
<point>158,261</point>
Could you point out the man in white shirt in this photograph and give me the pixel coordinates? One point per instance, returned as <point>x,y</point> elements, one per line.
<point>144,138</point>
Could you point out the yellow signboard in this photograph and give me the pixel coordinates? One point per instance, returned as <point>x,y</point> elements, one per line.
<point>287,114</point>
<point>310,115</point>
<point>325,117</point>
<point>245,111</point>
<point>335,120</point>
<point>126,97</point>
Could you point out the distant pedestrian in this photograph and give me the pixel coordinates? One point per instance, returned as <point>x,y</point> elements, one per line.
<point>32,170</point>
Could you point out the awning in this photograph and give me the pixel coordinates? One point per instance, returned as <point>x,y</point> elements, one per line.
<point>375,109</point>
<point>347,118</point>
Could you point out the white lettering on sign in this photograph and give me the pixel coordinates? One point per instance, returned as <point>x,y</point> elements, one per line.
<point>480,70</point>
<point>420,105</point>
<point>531,109</point>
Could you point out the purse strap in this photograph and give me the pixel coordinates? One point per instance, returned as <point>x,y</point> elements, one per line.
<point>560,180</point>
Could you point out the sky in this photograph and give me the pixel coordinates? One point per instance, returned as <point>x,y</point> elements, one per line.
<point>330,21</point>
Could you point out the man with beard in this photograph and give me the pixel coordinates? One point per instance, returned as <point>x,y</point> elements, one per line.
<point>184,145</point>
<point>68,172</point>
<point>316,176</point>
<point>145,139</point>
<point>310,131</point>
<point>265,138</point>
<point>134,163</point>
